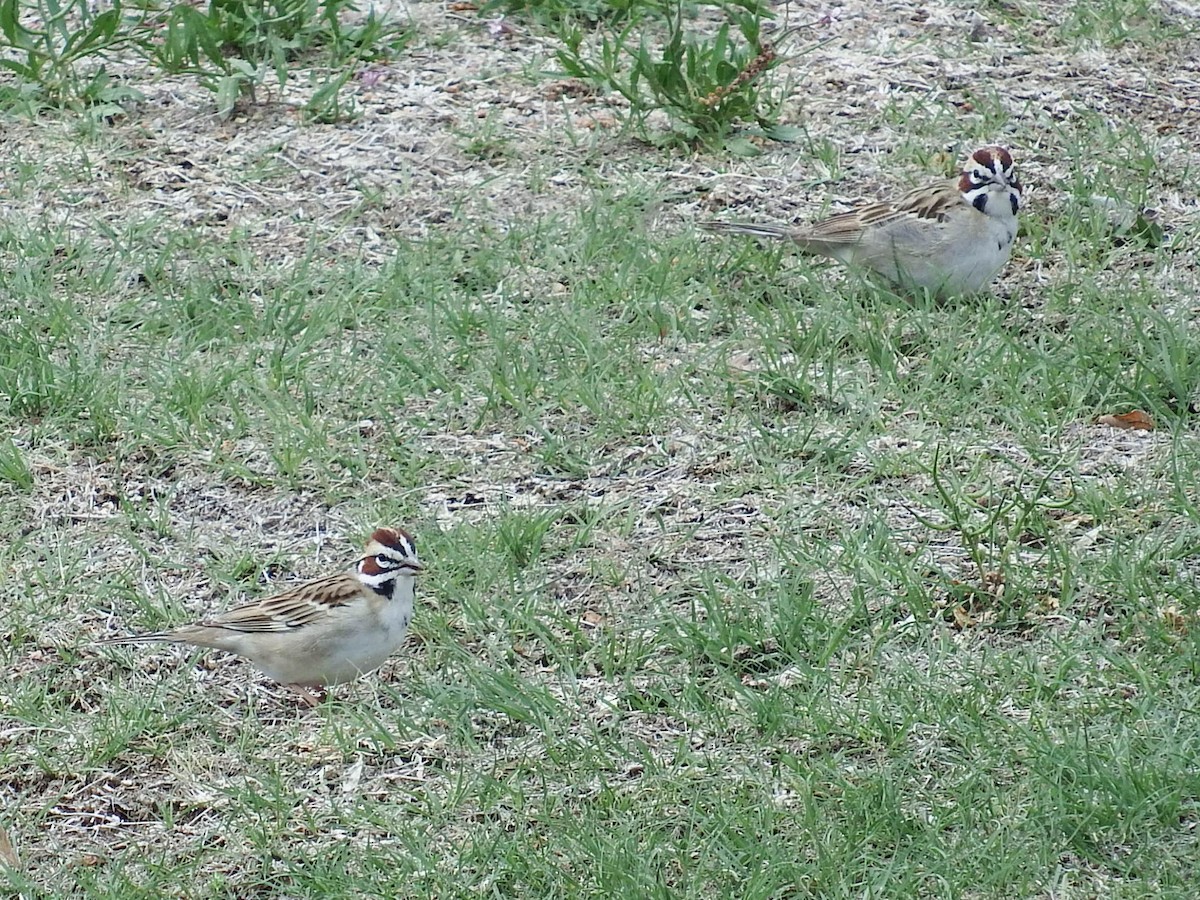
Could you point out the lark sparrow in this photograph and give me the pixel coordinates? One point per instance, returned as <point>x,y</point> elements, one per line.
<point>323,632</point>
<point>949,238</point>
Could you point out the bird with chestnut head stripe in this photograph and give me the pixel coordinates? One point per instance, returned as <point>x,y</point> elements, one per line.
<point>948,238</point>
<point>323,632</point>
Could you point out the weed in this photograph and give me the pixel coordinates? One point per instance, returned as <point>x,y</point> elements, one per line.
<point>62,55</point>
<point>707,86</point>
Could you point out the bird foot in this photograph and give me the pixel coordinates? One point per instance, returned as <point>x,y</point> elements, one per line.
<point>312,697</point>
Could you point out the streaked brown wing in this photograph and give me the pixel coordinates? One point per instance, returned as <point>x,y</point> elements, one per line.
<point>291,609</point>
<point>931,202</point>
<point>923,203</point>
<point>844,228</point>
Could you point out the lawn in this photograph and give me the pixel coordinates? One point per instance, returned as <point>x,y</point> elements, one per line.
<point>745,577</point>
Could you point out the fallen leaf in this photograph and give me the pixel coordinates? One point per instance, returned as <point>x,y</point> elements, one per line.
<point>568,87</point>
<point>743,361</point>
<point>353,777</point>
<point>8,855</point>
<point>600,120</point>
<point>1174,619</point>
<point>994,584</point>
<point>499,27</point>
<point>1134,419</point>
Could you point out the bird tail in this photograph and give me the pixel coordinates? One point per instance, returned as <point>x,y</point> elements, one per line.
<point>774,232</point>
<point>162,637</point>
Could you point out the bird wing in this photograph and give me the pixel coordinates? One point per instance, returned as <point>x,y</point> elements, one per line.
<point>308,603</point>
<point>931,203</point>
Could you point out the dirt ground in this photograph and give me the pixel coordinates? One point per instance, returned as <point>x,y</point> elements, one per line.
<point>865,78</point>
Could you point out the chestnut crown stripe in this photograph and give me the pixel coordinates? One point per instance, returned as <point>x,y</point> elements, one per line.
<point>985,156</point>
<point>396,538</point>
<point>388,553</point>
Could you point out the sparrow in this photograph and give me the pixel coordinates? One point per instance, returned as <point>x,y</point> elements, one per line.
<point>949,238</point>
<point>322,632</point>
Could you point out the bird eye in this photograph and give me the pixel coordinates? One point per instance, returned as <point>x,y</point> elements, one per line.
<point>385,562</point>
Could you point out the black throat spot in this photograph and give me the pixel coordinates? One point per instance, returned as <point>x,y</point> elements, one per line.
<point>385,590</point>
<point>980,202</point>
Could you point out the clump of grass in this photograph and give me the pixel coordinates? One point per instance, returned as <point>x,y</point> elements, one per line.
<point>60,59</point>
<point>231,46</point>
<point>709,86</point>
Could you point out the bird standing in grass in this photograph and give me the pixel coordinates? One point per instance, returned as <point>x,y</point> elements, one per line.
<point>323,632</point>
<point>949,238</point>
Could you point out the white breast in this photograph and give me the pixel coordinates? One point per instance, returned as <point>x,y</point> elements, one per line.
<point>960,255</point>
<point>350,643</point>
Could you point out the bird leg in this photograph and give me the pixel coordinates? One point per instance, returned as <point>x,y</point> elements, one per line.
<point>310,697</point>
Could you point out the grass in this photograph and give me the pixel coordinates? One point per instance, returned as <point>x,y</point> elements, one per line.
<point>745,577</point>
